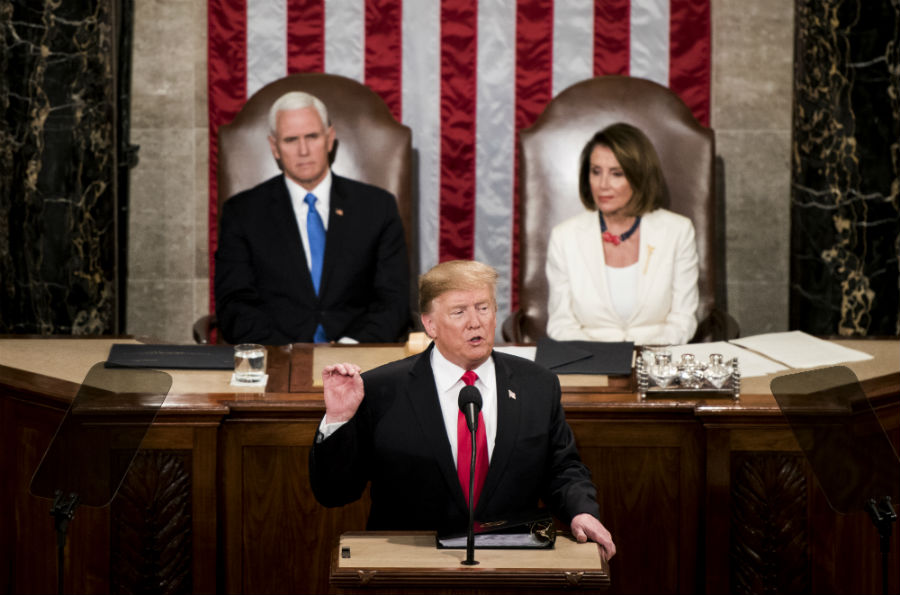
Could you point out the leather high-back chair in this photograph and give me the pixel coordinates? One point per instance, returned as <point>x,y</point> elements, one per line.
<point>548,182</point>
<point>372,147</point>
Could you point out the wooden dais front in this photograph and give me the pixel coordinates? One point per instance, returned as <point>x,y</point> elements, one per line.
<point>700,495</point>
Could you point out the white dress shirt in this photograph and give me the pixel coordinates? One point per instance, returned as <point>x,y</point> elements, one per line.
<point>322,192</point>
<point>298,193</point>
<point>448,381</point>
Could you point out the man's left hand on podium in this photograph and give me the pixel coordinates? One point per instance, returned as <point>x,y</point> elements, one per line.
<point>586,527</point>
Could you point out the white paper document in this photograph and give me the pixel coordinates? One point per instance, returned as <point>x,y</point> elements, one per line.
<point>750,363</point>
<point>526,351</point>
<point>800,350</point>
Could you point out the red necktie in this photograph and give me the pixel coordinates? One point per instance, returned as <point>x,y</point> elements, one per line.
<point>464,450</point>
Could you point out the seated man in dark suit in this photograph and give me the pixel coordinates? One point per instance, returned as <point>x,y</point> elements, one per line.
<point>308,255</point>
<point>398,426</point>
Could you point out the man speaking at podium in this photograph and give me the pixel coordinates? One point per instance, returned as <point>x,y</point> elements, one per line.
<point>398,426</point>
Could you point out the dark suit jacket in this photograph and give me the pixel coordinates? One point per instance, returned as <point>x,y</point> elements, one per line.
<point>264,292</point>
<point>397,441</point>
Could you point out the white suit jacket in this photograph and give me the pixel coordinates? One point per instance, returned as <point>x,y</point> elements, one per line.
<point>580,307</point>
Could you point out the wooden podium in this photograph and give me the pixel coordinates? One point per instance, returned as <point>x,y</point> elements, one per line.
<point>394,562</point>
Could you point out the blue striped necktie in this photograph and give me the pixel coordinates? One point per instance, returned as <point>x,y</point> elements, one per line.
<point>315,231</point>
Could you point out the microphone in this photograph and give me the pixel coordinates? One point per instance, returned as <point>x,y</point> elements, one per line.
<point>470,405</point>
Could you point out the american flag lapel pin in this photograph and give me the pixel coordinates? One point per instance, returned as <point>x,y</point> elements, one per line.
<point>339,212</point>
<point>512,395</point>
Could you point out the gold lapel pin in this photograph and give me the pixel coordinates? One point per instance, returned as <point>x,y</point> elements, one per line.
<point>650,250</point>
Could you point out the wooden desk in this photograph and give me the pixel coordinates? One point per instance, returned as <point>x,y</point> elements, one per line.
<point>700,494</point>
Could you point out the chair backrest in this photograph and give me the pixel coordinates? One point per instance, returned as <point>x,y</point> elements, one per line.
<point>371,146</point>
<point>548,176</point>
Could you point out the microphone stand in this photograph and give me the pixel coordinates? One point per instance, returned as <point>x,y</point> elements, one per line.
<point>63,511</point>
<point>470,537</point>
<point>470,405</point>
<point>883,517</point>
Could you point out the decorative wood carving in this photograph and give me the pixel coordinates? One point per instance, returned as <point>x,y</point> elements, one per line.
<point>574,578</point>
<point>366,576</point>
<point>150,534</point>
<point>769,535</point>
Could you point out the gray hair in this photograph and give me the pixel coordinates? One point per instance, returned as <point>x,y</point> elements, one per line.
<point>297,100</point>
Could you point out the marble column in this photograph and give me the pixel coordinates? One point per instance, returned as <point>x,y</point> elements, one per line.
<point>845,212</point>
<point>58,174</point>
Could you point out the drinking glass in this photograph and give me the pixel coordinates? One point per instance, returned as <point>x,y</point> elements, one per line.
<point>249,362</point>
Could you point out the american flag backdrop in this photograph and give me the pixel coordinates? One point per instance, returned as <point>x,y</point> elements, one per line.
<point>465,76</point>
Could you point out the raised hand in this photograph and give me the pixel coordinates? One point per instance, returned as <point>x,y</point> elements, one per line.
<point>343,391</point>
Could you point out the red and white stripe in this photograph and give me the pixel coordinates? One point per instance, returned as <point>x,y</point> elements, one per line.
<point>465,76</point>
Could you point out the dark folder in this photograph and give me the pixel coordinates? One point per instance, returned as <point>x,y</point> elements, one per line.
<point>533,531</point>
<point>171,357</point>
<point>585,357</point>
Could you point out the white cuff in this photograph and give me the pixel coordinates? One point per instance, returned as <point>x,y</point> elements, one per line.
<point>326,430</point>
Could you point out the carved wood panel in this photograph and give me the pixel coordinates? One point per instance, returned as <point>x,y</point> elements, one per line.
<point>151,536</point>
<point>769,533</point>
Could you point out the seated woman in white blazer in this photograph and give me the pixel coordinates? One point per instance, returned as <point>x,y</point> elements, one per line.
<point>625,270</point>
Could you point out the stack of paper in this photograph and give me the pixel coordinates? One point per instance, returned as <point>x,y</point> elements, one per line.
<point>799,350</point>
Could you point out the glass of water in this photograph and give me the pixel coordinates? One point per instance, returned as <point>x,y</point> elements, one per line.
<point>249,362</point>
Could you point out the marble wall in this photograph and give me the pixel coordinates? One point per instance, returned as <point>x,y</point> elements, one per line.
<point>845,216</point>
<point>58,156</point>
<point>751,113</point>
